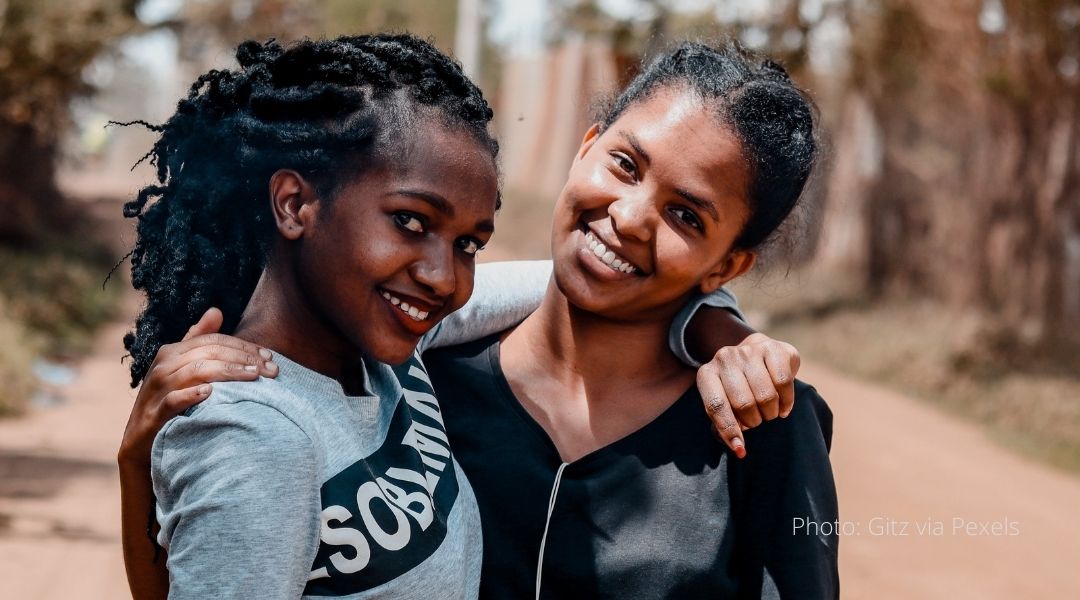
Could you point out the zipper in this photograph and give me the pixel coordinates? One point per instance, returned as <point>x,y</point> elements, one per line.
<point>547,523</point>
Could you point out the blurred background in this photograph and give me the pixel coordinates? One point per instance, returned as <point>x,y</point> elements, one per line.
<point>932,282</point>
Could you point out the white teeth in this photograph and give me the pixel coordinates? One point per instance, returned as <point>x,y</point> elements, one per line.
<point>412,311</point>
<point>607,256</point>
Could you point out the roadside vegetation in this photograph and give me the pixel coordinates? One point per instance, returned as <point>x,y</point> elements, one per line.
<point>1023,394</point>
<point>51,303</point>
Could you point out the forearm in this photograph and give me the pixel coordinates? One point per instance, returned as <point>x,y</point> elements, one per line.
<point>144,561</point>
<point>713,328</point>
<point>503,295</point>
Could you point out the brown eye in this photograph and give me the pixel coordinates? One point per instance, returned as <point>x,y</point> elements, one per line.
<point>687,217</point>
<point>469,245</point>
<point>625,163</point>
<point>409,222</point>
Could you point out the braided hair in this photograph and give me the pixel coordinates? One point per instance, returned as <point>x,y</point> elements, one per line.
<point>773,119</point>
<point>321,107</point>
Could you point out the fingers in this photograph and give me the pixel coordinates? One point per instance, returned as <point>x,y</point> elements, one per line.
<point>210,322</point>
<point>719,410</point>
<point>782,361</point>
<point>201,371</point>
<point>178,401</point>
<point>216,339</point>
<point>760,382</point>
<point>738,391</point>
<point>243,360</point>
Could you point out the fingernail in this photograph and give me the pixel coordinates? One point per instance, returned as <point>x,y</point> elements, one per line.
<point>204,390</point>
<point>740,449</point>
<point>251,368</point>
<point>266,354</point>
<point>271,367</point>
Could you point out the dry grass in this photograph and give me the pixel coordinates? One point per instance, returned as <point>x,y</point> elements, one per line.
<point>1029,401</point>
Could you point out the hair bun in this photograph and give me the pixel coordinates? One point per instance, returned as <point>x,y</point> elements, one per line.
<point>251,52</point>
<point>775,70</point>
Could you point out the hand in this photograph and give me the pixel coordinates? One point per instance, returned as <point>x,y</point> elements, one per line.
<point>746,384</point>
<point>180,377</point>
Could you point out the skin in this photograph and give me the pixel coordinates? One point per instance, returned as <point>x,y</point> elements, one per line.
<point>320,304</point>
<point>664,187</point>
<point>412,231</point>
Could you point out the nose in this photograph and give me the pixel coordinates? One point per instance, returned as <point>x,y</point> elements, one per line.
<point>435,270</point>
<point>632,216</point>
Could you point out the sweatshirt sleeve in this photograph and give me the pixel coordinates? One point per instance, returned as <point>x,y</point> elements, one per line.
<point>721,298</point>
<point>504,294</point>
<point>237,501</point>
<point>791,512</point>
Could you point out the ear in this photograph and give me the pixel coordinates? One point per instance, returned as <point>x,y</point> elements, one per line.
<point>293,202</point>
<point>733,265</point>
<point>587,142</point>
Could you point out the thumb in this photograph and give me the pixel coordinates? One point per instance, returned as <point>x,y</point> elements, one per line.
<point>209,323</point>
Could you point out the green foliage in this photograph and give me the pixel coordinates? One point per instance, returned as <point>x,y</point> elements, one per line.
<point>54,292</point>
<point>44,47</point>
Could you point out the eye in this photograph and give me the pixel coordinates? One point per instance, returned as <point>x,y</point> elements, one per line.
<point>625,164</point>
<point>687,217</point>
<point>409,221</point>
<point>469,245</point>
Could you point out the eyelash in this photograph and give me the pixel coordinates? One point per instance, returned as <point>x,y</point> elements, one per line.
<point>469,245</point>
<point>625,163</point>
<point>689,218</point>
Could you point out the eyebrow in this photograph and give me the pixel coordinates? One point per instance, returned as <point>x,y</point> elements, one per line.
<point>444,206</point>
<point>635,144</point>
<point>438,202</point>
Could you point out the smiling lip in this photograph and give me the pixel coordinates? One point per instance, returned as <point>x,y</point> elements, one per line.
<point>614,261</point>
<point>415,315</point>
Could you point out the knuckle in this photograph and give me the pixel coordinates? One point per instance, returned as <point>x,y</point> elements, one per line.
<point>714,404</point>
<point>768,396</point>
<point>216,338</point>
<point>741,402</point>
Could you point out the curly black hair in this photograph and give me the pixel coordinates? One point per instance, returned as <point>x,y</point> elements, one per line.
<point>773,119</point>
<point>321,107</point>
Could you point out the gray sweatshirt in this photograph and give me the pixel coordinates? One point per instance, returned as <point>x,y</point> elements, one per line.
<point>288,488</point>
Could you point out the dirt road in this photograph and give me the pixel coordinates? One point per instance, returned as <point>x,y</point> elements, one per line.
<point>929,507</point>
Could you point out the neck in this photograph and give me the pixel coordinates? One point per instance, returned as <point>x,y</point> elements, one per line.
<point>581,348</point>
<point>280,317</point>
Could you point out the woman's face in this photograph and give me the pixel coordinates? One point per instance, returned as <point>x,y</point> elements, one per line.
<point>394,252</point>
<point>651,209</point>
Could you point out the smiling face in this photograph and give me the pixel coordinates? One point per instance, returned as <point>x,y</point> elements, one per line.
<point>651,209</point>
<point>393,252</point>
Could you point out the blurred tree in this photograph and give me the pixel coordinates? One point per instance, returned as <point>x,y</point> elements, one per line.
<point>978,195</point>
<point>44,47</point>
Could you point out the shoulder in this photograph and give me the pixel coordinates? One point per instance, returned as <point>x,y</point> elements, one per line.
<point>237,418</point>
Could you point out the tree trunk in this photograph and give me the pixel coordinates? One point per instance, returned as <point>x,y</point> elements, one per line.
<point>29,198</point>
<point>978,198</point>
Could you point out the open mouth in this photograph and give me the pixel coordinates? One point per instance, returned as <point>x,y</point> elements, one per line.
<point>608,256</point>
<point>411,311</point>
